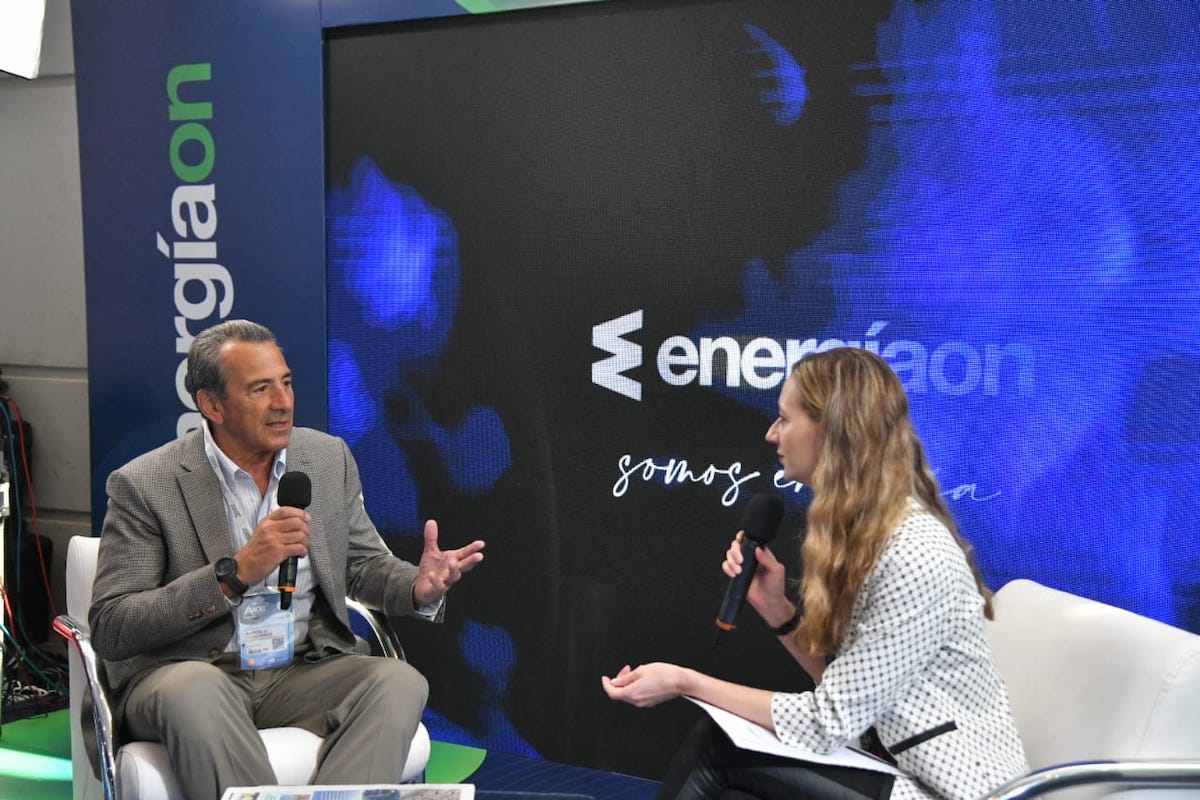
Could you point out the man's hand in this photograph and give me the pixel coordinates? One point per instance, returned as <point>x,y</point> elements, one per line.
<point>441,569</point>
<point>281,534</point>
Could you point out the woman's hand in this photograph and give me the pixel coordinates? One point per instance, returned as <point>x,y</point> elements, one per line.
<point>766,590</point>
<point>651,684</point>
<point>648,685</point>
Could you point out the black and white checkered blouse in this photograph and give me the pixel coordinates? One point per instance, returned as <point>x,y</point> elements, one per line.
<point>915,664</point>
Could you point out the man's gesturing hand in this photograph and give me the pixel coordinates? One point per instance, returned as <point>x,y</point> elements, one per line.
<point>440,569</point>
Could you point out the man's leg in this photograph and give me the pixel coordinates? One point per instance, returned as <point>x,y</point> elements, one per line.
<point>366,707</point>
<point>197,711</point>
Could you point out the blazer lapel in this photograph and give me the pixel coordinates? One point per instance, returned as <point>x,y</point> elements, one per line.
<point>201,492</point>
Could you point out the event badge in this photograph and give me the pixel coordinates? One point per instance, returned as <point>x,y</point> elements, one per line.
<point>266,633</point>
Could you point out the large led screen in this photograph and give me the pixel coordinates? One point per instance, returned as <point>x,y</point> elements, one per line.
<point>573,251</point>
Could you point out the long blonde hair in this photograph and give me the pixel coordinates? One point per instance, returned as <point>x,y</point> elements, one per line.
<point>870,463</point>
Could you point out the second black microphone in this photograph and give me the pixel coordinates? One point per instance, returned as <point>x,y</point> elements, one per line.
<point>759,523</point>
<point>295,491</point>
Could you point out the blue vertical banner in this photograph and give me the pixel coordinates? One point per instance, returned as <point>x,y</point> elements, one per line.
<point>200,130</point>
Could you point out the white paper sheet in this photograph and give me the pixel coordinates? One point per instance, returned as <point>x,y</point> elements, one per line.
<point>752,736</point>
<point>403,791</point>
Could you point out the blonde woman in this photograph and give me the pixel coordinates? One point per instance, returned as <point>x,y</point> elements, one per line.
<point>890,625</point>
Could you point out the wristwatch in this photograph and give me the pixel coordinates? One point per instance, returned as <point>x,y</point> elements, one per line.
<point>227,574</point>
<point>790,625</point>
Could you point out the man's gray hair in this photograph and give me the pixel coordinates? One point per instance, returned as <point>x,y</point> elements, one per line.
<point>204,367</point>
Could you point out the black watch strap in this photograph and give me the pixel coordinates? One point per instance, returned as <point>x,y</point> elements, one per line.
<point>227,574</point>
<point>789,626</point>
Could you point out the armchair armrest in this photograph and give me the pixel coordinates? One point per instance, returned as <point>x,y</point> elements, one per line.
<point>384,640</point>
<point>99,738</point>
<point>1150,774</point>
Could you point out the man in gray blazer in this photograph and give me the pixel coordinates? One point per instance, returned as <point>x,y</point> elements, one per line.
<point>186,615</point>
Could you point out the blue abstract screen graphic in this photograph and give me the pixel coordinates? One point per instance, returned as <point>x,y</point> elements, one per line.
<point>786,93</point>
<point>573,252</point>
<point>394,271</point>
<point>395,262</point>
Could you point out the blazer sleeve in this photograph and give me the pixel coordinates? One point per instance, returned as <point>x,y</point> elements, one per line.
<point>374,576</point>
<point>140,606</point>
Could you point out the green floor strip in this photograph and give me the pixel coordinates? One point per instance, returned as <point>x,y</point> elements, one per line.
<point>35,758</point>
<point>452,763</point>
<point>47,735</point>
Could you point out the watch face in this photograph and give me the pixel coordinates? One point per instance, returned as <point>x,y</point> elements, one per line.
<point>226,569</point>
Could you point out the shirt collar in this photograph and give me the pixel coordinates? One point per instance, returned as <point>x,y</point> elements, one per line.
<point>223,465</point>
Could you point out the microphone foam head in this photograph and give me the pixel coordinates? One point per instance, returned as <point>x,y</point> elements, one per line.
<point>761,518</point>
<point>295,490</point>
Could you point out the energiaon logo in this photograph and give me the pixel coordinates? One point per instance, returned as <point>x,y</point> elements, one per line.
<point>952,368</point>
<point>625,355</point>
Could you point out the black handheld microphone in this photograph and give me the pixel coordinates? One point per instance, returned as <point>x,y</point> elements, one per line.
<point>760,520</point>
<point>295,491</point>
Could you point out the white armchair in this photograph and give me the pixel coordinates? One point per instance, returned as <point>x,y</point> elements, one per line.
<point>1107,702</point>
<point>104,767</point>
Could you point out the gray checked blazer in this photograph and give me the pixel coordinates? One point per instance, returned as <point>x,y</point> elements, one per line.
<point>156,598</point>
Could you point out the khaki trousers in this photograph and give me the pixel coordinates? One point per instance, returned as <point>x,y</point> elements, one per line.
<point>207,715</point>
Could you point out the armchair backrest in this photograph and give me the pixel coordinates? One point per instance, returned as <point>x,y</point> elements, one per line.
<point>82,552</point>
<point>1089,681</point>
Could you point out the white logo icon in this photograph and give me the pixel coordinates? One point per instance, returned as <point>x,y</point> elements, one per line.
<point>625,355</point>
